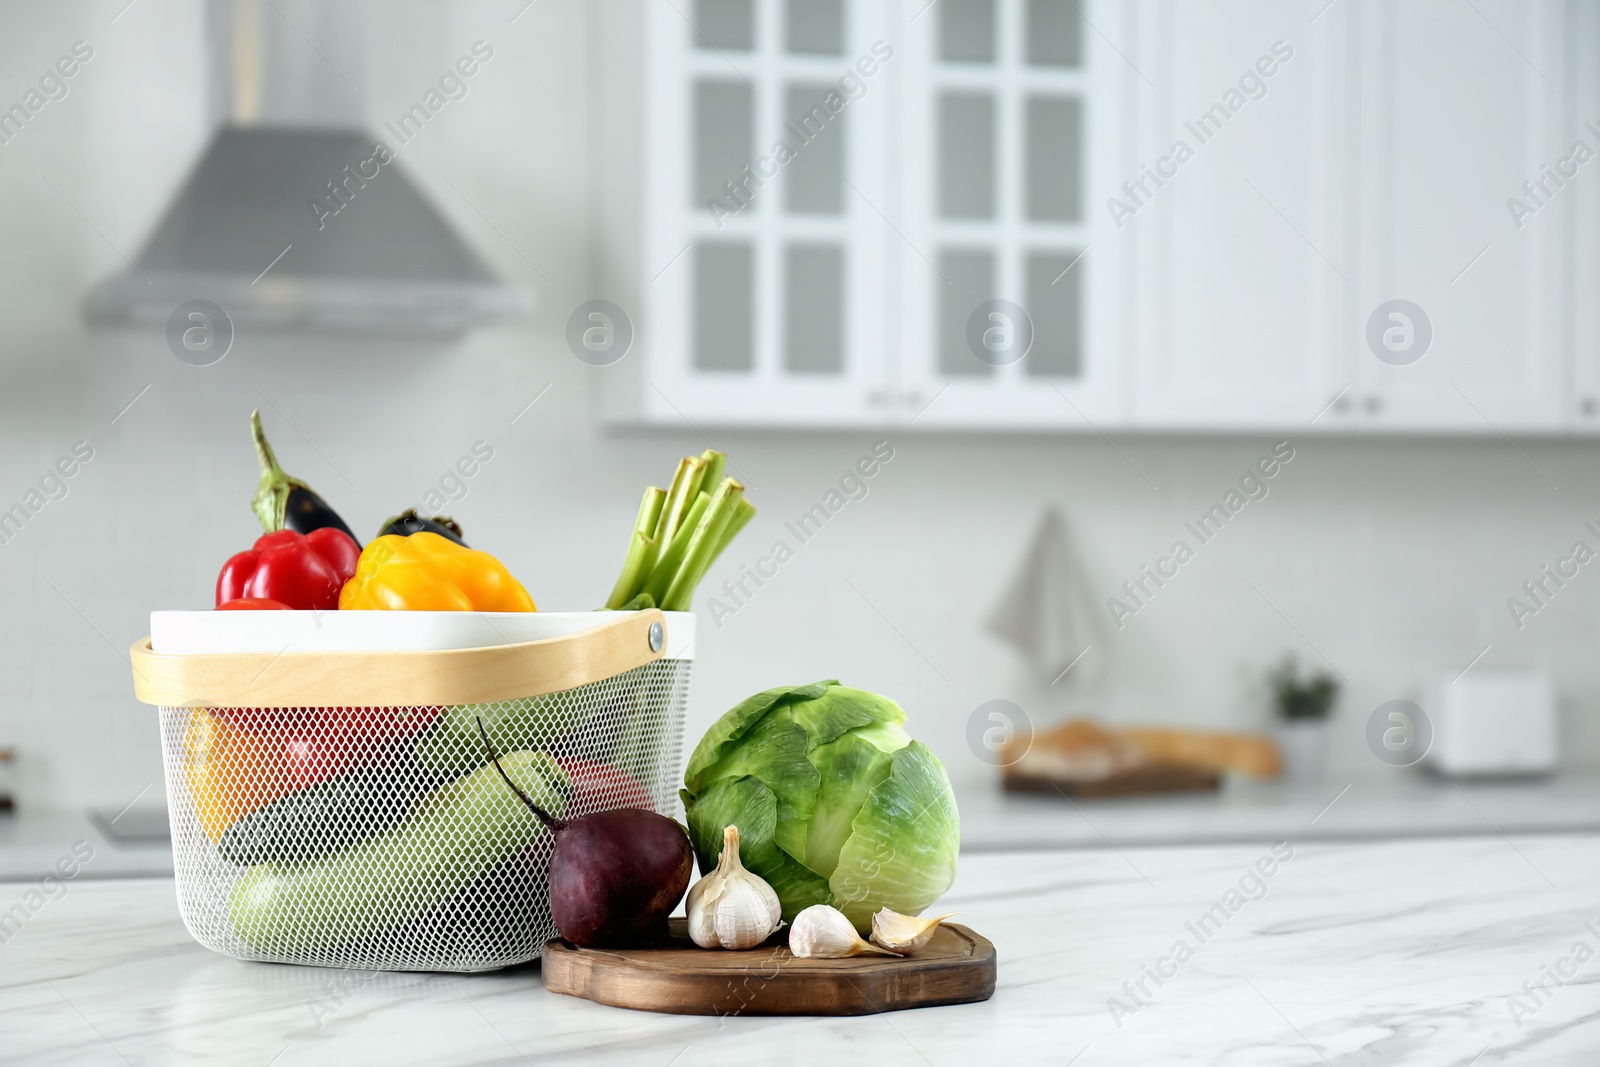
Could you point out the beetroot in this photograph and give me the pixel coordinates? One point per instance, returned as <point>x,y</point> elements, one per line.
<point>615,875</point>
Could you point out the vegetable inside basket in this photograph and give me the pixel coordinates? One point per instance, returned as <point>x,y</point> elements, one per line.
<point>331,803</point>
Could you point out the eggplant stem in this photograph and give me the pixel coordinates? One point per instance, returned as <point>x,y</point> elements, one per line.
<point>268,461</point>
<point>554,824</point>
<point>271,500</point>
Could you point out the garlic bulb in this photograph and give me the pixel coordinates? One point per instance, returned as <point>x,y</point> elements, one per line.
<point>904,934</point>
<point>822,932</point>
<point>730,907</point>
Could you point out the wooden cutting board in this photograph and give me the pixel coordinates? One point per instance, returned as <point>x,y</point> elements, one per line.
<point>956,967</point>
<point>1152,778</point>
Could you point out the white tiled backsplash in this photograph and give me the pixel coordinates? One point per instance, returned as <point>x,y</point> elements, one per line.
<point>1384,556</point>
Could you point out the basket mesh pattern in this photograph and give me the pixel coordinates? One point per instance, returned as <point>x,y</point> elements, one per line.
<point>383,839</point>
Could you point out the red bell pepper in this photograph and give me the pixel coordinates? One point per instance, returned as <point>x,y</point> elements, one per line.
<point>304,571</point>
<point>252,603</point>
<point>601,787</point>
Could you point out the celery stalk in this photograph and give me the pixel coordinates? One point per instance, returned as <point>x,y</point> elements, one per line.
<point>641,549</point>
<point>685,484</point>
<point>744,511</point>
<point>703,545</point>
<point>741,518</point>
<point>716,462</point>
<point>671,557</point>
<point>650,510</point>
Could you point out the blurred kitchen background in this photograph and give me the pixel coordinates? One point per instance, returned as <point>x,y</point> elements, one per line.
<point>1191,312</point>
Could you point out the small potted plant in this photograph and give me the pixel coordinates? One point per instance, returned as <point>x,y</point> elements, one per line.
<point>1303,705</point>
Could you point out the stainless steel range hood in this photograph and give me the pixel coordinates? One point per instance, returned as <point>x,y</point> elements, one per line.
<point>291,218</point>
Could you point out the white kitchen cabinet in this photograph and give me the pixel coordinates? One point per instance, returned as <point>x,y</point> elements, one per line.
<point>1198,205</point>
<point>1245,256</point>
<point>1460,105</point>
<point>970,145</point>
<point>1582,119</point>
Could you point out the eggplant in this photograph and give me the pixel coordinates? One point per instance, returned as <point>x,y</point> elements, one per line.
<point>283,502</point>
<point>409,522</point>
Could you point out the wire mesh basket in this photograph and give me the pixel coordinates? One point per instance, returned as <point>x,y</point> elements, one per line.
<point>339,808</point>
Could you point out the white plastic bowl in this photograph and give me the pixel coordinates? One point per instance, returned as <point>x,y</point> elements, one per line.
<point>202,632</point>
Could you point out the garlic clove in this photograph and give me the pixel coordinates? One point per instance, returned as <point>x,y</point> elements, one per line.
<point>746,913</point>
<point>700,907</point>
<point>731,907</point>
<point>904,934</point>
<point>822,932</point>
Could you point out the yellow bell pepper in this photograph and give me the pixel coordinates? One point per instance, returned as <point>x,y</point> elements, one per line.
<point>232,771</point>
<point>426,572</point>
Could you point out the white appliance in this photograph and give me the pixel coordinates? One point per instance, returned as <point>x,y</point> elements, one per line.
<point>1496,722</point>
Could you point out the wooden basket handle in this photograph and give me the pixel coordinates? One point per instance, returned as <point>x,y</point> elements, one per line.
<point>399,679</point>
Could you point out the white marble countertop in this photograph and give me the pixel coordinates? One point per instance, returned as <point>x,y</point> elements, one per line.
<point>1396,952</point>
<point>1405,803</point>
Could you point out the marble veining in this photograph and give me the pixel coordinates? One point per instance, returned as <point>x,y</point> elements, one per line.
<point>1397,952</point>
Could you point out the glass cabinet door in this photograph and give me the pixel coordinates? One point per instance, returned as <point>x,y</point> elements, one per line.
<point>1010,124</point>
<point>766,125</point>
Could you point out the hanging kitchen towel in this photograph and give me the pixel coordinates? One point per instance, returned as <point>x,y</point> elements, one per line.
<point>1047,611</point>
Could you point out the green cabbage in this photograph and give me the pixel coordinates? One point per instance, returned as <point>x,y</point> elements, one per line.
<point>835,804</point>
